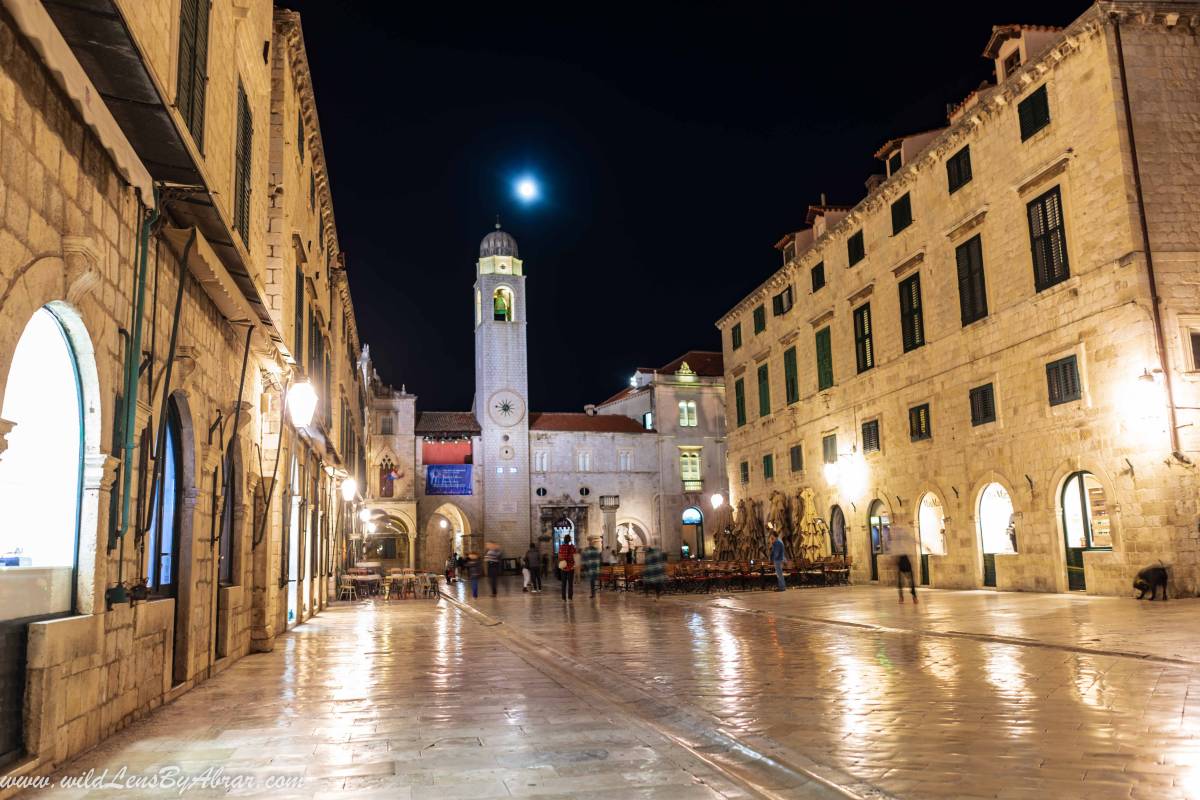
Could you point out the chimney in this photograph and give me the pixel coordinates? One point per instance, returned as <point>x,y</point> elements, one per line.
<point>822,198</point>
<point>590,409</point>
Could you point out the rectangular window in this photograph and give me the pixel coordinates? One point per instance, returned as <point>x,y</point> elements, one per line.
<point>1048,240</point>
<point>300,135</point>
<point>870,436</point>
<point>791,380</point>
<point>744,471</point>
<point>789,252</point>
<point>782,302</point>
<point>972,294</point>
<point>1012,63</point>
<point>856,251</point>
<point>893,163</point>
<point>768,466</point>
<point>540,460</point>
<point>244,156</point>
<point>687,414</point>
<point>958,169</point>
<point>912,318</point>
<point>829,453</point>
<point>739,399</point>
<point>918,423</point>
<point>983,405</point>
<point>192,80</point>
<point>760,319</point>
<point>625,461</point>
<point>901,213</point>
<point>648,420</point>
<point>796,458</point>
<point>818,276</point>
<point>584,458</point>
<point>824,360</point>
<point>689,470</point>
<point>764,391</point>
<point>735,336</point>
<point>1194,339</point>
<point>386,426</point>
<point>864,347</point>
<point>1062,381</point>
<point>1034,112</point>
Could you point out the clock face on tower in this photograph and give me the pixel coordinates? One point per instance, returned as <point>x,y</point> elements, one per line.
<point>506,408</point>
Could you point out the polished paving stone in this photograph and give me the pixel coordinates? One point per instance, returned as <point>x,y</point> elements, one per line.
<point>966,695</point>
<point>409,699</point>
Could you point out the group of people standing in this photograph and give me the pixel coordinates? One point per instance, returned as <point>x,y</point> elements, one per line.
<point>471,568</point>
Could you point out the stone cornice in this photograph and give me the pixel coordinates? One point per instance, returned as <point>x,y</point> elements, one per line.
<point>966,223</point>
<point>911,262</point>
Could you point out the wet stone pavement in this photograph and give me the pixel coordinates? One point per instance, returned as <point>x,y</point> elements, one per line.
<point>813,693</point>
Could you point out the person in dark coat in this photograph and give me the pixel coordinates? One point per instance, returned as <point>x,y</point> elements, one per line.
<point>474,570</point>
<point>533,561</point>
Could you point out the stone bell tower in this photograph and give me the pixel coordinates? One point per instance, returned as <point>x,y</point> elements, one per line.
<point>502,391</point>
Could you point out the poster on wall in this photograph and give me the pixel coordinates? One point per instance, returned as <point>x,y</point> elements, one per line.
<point>447,479</point>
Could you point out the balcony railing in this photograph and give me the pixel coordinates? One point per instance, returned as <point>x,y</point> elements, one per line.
<point>693,486</point>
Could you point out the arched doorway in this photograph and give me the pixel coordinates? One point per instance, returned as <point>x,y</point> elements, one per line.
<point>1085,521</point>
<point>692,522</point>
<point>837,531</point>
<point>447,530</point>
<point>997,531</point>
<point>41,489</point>
<point>562,527</point>
<point>630,537</point>
<point>931,531</point>
<point>291,555</point>
<point>879,526</point>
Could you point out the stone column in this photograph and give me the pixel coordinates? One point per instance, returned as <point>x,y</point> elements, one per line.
<point>609,503</point>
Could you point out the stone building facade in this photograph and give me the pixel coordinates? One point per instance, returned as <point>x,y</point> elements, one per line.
<point>444,482</point>
<point>151,248</point>
<point>995,352</point>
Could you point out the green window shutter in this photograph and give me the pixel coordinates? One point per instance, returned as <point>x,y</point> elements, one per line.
<point>796,457</point>
<point>1062,381</point>
<point>1048,240</point>
<point>919,426</point>
<point>864,346</point>
<point>760,319</point>
<point>870,436</point>
<point>192,77</point>
<point>242,167</point>
<point>744,471</point>
<point>824,360</point>
<point>739,395</point>
<point>790,378</point>
<point>818,276</point>
<point>912,323</point>
<point>983,405</point>
<point>764,391</point>
<point>735,336</point>
<point>299,320</point>
<point>768,466</point>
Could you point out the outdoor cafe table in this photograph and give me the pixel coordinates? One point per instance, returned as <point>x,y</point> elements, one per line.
<point>369,583</point>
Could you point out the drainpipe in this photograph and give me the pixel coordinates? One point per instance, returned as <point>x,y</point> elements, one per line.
<point>132,361</point>
<point>1155,312</point>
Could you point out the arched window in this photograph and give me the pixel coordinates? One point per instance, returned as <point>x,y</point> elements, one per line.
<point>997,529</point>
<point>40,472</point>
<point>931,525</point>
<point>502,304</point>
<point>387,477</point>
<point>837,531</point>
<point>1085,513</point>
<point>162,540</point>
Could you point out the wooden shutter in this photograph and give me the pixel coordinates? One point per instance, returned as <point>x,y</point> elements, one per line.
<point>829,448</point>
<point>199,87</point>
<point>764,391</point>
<point>918,422</point>
<point>1062,381</point>
<point>299,321</point>
<point>790,378</point>
<point>912,323</point>
<point>739,395</point>
<point>870,436</point>
<point>983,405</point>
<point>1047,240</point>
<point>972,294</point>
<point>796,456</point>
<point>824,359</point>
<point>818,276</point>
<point>901,213</point>
<point>1034,112</point>
<point>244,156</point>
<point>863,344</point>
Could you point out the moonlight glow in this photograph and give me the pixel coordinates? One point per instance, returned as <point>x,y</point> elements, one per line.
<point>527,189</point>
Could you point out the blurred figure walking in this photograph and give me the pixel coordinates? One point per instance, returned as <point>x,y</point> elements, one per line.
<point>591,565</point>
<point>493,556</point>
<point>533,563</point>
<point>655,574</point>
<point>474,569</point>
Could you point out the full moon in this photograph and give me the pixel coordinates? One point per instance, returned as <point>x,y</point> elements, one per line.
<point>527,189</point>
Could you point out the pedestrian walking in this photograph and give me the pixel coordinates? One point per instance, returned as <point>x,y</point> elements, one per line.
<point>655,574</point>
<point>566,567</point>
<point>474,568</point>
<point>451,566</point>
<point>901,545</point>
<point>492,556</point>
<point>777,560</point>
<point>460,568</point>
<point>533,563</point>
<point>591,565</point>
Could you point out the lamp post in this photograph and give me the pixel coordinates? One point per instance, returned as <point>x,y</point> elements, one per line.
<point>609,503</point>
<point>302,403</point>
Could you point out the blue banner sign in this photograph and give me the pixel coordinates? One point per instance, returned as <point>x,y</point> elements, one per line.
<point>448,479</point>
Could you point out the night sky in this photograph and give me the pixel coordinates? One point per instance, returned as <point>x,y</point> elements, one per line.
<point>675,144</point>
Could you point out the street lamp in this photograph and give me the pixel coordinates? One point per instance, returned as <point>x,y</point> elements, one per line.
<point>302,403</point>
<point>365,515</point>
<point>717,500</point>
<point>349,489</point>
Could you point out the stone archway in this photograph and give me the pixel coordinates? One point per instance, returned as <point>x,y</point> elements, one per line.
<point>447,530</point>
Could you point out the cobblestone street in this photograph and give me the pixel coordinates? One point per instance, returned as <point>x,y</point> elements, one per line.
<point>823,693</point>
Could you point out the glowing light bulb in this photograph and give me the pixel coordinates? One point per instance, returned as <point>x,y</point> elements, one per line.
<point>302,403</point>
<point>365,515</point>
<point>349,489</point>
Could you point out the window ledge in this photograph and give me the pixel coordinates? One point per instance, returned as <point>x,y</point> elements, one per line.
<point>1070,285</point>
<point>1049,169</point>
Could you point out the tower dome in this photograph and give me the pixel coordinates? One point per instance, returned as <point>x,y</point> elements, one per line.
<point>498,243</point>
